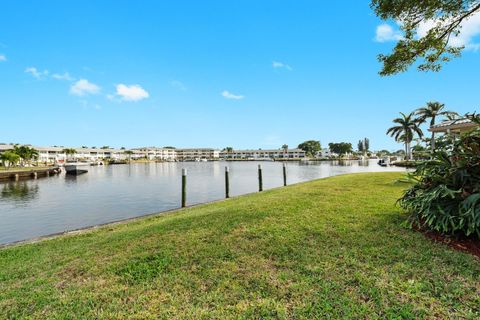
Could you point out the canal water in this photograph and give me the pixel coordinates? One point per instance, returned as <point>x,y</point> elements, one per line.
<point>34,208</point>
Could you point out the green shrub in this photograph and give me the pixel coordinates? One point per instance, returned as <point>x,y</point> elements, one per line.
<point>446,195</point>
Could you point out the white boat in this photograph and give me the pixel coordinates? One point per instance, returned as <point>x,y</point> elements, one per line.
<point>76,168</point>
<point>384,162</point>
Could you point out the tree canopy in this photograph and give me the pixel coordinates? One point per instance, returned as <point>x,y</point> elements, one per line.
<point>340,147</point>
<point>432,111</point>
<point>311,147</point>
<point>25,153</point>
<point>363,145</point>
<point>405,129</point>
<point>69,151</point>
<point>9,158</point>
<point>430,29</point>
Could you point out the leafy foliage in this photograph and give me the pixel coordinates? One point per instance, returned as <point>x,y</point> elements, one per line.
<point>310,147</point>
<point>25,153</point>
<point>69,151</point>
<point>446,195</point>
<point>405,129</point>
<point>9,158</point>
<point>340,147</point>
<point>434,47</point>
<point>363,145</point>
<point>433,110</point>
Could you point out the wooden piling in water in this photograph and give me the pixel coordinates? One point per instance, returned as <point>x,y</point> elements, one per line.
<point>227,183</point>
<point>184,188</point>
<point>284,174</point>
<point>260,179</point>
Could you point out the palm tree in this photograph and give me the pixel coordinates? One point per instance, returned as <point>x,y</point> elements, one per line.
<point>25,153</point>
<point>129,155</point>
<point>9,158</point>
<point>31,154</point>
<point>69,152</point>
<point>432,111</point>
<point>404,131</point>
<point>285,149</point>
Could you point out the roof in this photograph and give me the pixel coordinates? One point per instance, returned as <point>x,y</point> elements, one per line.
<point>263,150</point>
<point>4,147</point>
<point>457,124</point>
<point>195,149</point>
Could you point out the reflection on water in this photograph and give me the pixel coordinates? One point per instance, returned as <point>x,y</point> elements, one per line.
<point>108,193</point>
<point>19,191</point>
<point>343,163</point>
<point>363,163</point>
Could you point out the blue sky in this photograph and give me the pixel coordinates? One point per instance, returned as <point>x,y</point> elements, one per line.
<point>247,74</point>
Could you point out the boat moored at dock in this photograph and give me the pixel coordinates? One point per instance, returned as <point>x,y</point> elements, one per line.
<point>76,168</point>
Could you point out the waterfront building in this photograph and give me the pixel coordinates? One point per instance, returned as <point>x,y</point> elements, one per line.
<point>190,154</point>
<point>154,153</point>
<point>325,153</point>
<point>57,155</point>
<point>263,154</point>
<point>454,127</point>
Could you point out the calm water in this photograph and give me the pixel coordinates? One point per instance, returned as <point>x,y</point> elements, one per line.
<point>33,208</point>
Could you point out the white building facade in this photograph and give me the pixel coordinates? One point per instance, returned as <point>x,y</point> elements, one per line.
<point>57,154</point>
<point>153,153</point>
<point>263,154</point>
<point>192,154</point>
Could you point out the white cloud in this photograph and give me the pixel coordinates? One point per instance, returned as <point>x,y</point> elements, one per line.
<point>228,95</point>
<point>66,76</point>
<point>385,33</point>
<point>36,73</point>
<point>280,65</point>
<point>178,84</point>
<point>3,57</point>
<point>132,92</point>
<point>83,87</point>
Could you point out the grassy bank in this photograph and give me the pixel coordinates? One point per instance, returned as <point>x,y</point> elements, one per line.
<point>408,163</point>
<point>23,169</point>
<point>328,248</point>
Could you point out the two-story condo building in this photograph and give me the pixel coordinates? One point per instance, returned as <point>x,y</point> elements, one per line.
<point>191,154</point>
<point>154,153</point>
<point>263,154</point>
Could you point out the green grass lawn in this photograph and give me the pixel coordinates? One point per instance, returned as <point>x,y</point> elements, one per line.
<point>331,248</point>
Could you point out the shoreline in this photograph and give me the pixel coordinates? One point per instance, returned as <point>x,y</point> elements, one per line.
<point>77,231</point>
<point>324,236</point>
<point>30,173</point>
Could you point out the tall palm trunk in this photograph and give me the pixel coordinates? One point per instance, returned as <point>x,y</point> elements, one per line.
<point>432,142</point>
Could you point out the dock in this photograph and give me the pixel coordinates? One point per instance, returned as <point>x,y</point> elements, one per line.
<point>16,175</point>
